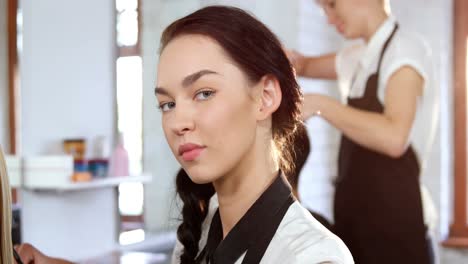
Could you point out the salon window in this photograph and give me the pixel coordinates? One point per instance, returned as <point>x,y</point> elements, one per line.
<point>129,108</point>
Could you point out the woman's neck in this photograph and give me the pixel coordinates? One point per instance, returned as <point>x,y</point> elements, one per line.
<point>239,190</point>
<point>374,23</point>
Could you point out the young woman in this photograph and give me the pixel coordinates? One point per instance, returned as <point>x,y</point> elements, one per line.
<point>378,208</point>
<point>6,248</point>
<point>230,113</point>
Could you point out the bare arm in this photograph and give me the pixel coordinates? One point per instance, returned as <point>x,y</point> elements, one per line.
<point>30,254</point>
<point>321,67</point>
<point>386,133</point>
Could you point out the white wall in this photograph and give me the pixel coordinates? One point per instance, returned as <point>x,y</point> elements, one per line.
<point>316,189</point>
<point>67,73</point>
<point>67,77</point>
<point>4,127</point>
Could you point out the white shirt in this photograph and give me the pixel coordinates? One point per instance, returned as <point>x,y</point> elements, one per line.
<point>360,60</point>
<point>299,239</point>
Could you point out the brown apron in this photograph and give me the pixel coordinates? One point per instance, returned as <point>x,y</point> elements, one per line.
<point>378,208</point>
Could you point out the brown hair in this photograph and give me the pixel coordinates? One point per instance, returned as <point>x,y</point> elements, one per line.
<point>257,52</point>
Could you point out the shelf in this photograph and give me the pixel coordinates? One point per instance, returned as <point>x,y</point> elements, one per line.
<point>94,184</point>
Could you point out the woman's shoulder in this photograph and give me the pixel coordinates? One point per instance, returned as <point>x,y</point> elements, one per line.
<point>301,237</point>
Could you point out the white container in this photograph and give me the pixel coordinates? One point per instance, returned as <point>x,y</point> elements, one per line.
<point>47,172</point>
<point>13,164</point>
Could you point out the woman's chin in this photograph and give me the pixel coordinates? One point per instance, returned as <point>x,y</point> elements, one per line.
<point>200,176</point>
<point>200,181</point>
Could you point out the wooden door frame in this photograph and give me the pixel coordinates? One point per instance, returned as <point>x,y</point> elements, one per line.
<point>13,82</point>
<point>459,229</point>
<point>13,76</point>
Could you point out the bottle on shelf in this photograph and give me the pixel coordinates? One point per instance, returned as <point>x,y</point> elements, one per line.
<point>119,163</point>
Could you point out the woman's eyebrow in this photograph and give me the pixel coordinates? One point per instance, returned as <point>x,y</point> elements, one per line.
<point>160,91</point>
<point>187,81</point>
<point>190,79</point>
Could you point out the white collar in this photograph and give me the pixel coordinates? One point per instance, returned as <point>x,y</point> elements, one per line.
<point>375,44</point>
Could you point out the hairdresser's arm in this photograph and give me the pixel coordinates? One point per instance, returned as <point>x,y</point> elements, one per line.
<point>321,67</point>
<point>29,254</point>
<point>386,132</point>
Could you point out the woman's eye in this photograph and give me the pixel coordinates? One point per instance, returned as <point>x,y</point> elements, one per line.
<point>164,107</point>
<point>204,95</point>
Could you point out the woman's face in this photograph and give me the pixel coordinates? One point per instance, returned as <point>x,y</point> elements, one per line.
<point>348,16</point>
<point>208,107</point>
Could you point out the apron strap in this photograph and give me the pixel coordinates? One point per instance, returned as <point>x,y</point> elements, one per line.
<point>382,53</point>
<point>385,48</point>
<point>372,89</point>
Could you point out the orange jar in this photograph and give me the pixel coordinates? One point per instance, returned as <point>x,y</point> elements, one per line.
<point>75,147</point>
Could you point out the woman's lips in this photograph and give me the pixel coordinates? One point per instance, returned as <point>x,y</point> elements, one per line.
<point>192,155</point>
<point>190,151</point>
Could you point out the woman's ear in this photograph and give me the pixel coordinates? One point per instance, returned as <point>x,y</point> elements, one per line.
<point>269,96</point>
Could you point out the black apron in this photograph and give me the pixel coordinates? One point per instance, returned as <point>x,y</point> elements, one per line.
<point>254,231</point>
<point>378,208</point>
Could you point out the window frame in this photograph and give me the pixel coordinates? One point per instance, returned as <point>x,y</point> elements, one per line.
<point>130,51</point>
<point>134,50</point>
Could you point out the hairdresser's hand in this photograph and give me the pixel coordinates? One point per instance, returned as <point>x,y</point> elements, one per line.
<point>297,60</point>
<point>29,254</point>
<point>312,105</point>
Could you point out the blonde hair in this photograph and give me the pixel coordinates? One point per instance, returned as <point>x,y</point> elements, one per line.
<point>6,247</point>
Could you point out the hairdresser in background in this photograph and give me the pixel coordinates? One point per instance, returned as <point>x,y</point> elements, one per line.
<point>378,208</point>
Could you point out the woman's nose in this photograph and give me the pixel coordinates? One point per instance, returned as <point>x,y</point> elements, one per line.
<point>182,121</point>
